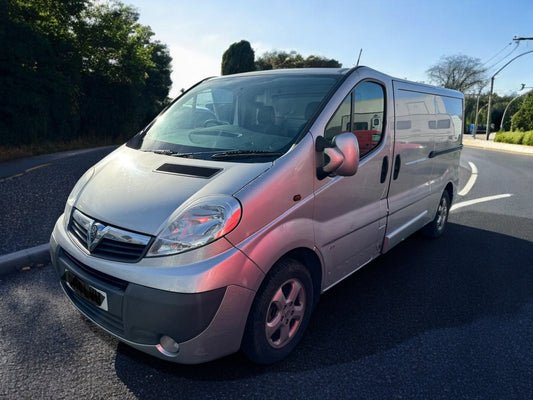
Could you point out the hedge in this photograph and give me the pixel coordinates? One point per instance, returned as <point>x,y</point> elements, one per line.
<point>516,137</point>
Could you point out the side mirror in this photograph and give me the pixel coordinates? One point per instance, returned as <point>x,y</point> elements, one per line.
<point>342,154</point>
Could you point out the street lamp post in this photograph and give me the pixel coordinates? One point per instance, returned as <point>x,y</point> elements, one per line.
<point>482,107</point>
<point>517,97</point>
<point>477,113</point>
<point>492,87</point>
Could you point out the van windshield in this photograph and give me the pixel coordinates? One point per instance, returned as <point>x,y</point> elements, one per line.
<point>248,118</point>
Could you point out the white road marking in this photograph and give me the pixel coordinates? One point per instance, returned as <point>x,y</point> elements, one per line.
<point>7,178</point>
<point>470,184</point>
<point>37,167</point>
<point>480,200</point>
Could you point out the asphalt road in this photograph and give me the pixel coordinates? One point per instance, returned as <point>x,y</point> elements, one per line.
<point>441,319</point>
<point>34,192</point>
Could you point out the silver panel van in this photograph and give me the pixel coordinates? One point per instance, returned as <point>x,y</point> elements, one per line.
<point>218,226</point>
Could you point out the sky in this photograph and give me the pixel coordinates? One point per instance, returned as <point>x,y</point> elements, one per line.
<point>402,38</point>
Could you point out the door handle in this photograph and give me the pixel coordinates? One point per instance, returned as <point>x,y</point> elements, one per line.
<point>384,169</point>
<point>397,165</point>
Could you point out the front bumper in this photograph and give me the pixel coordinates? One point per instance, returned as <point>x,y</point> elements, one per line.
<point>206,324</point>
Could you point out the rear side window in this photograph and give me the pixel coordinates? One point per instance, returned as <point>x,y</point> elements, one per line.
<point>362,112</point>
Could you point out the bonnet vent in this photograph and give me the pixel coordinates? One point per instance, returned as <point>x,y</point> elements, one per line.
<point>189,170</point>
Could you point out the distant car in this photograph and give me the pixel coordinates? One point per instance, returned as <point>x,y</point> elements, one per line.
<point>479,129</point>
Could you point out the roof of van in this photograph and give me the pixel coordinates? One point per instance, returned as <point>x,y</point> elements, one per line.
<point>340,72</point>
<point>296,71</point>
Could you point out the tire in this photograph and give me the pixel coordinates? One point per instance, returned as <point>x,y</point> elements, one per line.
<point>279,314</point>
<point>436,227</point>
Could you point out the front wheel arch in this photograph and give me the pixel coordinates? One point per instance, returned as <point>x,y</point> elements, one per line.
<point>280,312</point>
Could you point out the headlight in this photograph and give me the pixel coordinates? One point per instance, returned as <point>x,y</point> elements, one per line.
<point>197,224</point>
<point>73,196</point>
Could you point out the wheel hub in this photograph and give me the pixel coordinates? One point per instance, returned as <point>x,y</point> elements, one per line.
<point>285,314</point>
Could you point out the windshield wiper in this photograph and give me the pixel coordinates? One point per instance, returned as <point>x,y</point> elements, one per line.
<point>245,154</point>
<point>164,152</point>
<point>219,155</point>
<point>167,152</point>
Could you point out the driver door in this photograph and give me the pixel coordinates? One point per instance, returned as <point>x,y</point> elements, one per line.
<point>351,212</point>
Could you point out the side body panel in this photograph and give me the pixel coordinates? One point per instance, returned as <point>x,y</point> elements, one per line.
<point>278,208</point>
<point>428,132</point>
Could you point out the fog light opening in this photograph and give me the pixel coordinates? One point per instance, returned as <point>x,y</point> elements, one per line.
<point>168,346</point>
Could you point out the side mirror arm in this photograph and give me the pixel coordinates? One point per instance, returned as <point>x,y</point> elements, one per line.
<point>321,145</point>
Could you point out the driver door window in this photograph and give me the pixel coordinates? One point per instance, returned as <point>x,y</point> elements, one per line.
<point>362,112</point>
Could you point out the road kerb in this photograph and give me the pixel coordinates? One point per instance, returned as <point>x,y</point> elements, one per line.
<point>498,146</point>
<point>25,259</point>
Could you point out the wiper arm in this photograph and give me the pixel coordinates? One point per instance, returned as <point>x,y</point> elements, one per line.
<point>164,152</point>
<point>220,155</point>
<point>245,154</point>
<point>167,152</point>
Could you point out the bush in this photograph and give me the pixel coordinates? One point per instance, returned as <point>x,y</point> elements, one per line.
<point>516,137</point>
<point>528,138</point>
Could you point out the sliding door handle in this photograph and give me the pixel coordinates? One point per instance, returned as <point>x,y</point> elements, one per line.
<point>384,169</point>
<point>397,165</point>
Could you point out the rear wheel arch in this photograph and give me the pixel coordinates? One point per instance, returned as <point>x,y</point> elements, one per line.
<point>449,189</point>
<point>435,228</point>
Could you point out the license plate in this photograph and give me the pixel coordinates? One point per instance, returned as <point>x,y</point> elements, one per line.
<point>85,291</point>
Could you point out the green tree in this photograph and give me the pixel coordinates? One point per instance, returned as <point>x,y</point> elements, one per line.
<point>282,59</point>
<point>75,67</point>
<point>38,70</point>
<point>321,62</point>
<point>523,119</point>
<point>513,108</point>
<point>498,106</point>
<point>239,57</point>
<point>157,82</point>
<point>125,76</point>
<point>458,72</point>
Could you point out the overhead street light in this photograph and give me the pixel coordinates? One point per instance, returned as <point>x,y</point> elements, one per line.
<point>492,87</point>
<point>517,97</point>
<point>477,111</point>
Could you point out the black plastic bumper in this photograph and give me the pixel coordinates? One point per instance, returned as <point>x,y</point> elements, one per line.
<point>135,313</point>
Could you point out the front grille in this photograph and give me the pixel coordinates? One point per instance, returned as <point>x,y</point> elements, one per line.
<point>79,233</point>
<point>106,241</point>
<point>113,250</point>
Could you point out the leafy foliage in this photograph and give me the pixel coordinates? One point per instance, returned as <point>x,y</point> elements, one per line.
<point>239,57</point>
<point>73,68</point>
<point>528,138</point>
<point>496,113</point>
<point>523,119</point>
<point>511,110</point>
<point>458,72</point>
<point>509,137</point>
<point>516,137</point>
<point>282,59</point>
